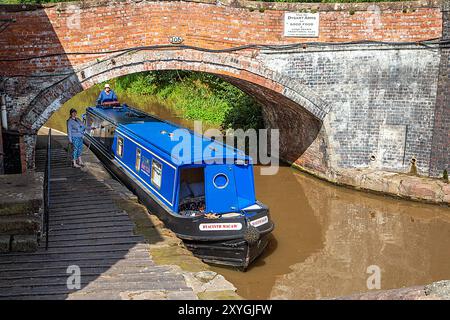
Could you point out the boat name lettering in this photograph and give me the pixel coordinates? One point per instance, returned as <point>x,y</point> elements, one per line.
<point>220,226</point>
<point>260,221</point>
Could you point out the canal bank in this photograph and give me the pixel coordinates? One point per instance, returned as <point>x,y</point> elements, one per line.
<point>439,290</point>
<point>400,185</point>
<point>163,248</point>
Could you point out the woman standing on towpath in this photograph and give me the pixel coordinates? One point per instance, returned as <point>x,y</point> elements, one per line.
<point>75,131</point>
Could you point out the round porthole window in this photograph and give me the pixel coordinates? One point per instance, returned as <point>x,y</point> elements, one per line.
<point>220,180</point>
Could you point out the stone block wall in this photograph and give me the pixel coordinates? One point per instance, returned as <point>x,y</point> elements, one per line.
<point>381,102</point>
<point>21,206</point>
<point>440,152</point>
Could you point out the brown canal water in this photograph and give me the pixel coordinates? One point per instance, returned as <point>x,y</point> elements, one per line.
<point>326,237</point>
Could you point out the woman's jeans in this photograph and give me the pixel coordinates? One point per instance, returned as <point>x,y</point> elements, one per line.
<point>77,147</point>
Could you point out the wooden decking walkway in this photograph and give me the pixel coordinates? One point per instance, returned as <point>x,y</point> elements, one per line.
<point>89,231</point>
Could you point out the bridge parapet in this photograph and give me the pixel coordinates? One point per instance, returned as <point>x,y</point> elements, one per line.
<point>79,27</point>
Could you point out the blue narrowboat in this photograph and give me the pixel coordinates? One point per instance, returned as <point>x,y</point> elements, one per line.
<point>201,189</point>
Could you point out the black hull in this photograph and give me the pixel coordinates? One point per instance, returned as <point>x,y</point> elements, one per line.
<point>230,253</point>
<point>216,247</point>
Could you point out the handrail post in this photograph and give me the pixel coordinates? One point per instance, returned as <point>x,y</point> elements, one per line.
<point>47,187</point>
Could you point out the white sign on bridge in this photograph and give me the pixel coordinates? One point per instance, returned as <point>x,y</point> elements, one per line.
<point>302,25</point>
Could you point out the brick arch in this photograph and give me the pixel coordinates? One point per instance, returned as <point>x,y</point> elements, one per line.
<point>247,73</point>
<point>288,105</point>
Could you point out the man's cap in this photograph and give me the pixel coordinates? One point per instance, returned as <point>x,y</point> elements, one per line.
<point>107,85</point>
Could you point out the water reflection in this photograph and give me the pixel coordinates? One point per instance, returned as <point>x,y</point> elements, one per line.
<point>327,237</point>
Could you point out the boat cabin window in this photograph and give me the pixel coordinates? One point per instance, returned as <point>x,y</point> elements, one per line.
<point>119,149</point>
<point>145,165</point>
<point>156,173</point>
<point>93,123</point>
<point>138,159</point>
<point>103,129</point>
<point>191,191</point>
<point>107,134</point>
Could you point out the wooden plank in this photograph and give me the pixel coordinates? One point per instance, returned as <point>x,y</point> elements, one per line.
<point>56,195</point>
<point>110,211</point>
<point>85,204</point>
<point>90,231</point>
<point>94,223</point>
<point>85,216</point>
<point>95,286</point>
<point>100,251</point>
<point>138,266</point>
<point>63,196</point>
<point>45,255</point>
<point>86,201</point>
<point>97,248</point>
<point>76,182</point>
<point>90,236</point>
<point>83,261</point>
<point>90,197</point>
<point>97,242</point>
<point>90,209</point>
<point>92,279</point>
<point>70,190</point>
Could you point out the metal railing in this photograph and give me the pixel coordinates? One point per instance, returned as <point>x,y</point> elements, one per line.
<point>47,188</point>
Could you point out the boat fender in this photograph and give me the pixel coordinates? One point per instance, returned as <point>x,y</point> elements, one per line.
<point>251,235</point>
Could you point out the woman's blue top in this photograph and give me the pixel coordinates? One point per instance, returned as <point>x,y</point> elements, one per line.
<point>75,128</point>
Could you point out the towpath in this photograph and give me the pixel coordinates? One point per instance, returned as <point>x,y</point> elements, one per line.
<point>91,235</point>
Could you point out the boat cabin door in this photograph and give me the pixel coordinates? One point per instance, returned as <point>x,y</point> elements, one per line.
<point>220,188</point>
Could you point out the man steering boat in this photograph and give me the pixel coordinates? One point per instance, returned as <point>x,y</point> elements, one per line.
<point>107,96</point>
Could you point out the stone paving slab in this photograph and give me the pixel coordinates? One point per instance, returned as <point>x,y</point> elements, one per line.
<point>13,199</point>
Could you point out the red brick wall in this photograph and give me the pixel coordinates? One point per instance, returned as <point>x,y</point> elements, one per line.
<point>112,25</point>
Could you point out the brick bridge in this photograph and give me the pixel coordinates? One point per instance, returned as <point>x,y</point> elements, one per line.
<point>370,91</point>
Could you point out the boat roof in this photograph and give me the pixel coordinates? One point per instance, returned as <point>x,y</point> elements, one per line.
<point>165,135</point>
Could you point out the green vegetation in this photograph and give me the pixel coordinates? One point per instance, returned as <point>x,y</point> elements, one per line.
<point>445,176</point>
<point>197,96</point>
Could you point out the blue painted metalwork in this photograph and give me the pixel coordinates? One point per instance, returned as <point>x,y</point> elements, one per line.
<point>155,151</point>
